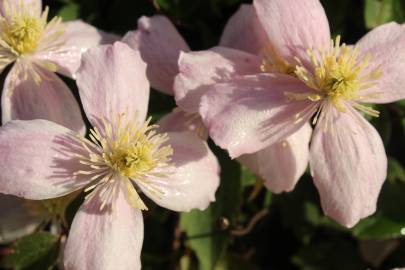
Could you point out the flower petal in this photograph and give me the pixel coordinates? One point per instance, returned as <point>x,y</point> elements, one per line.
<point>179,121</point>
<point>160,45</point>
<point>16,219</point>
<point>38,160</point>
<point>385,46</point>
<point>105,239</point>
<point>8,7</point>
<point>112,80</point>
<point>244,32</point>
<point>293,26</point>
<point>282,164</point>
<point>250,113</point>
<point>50,99</point>
<point>199,70</point>
<point>78,38</point>
<point>348,164</point>
<point>195,177</point>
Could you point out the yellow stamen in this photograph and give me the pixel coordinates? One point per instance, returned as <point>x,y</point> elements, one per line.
<point>22,31</point>
<point>124,151</point>
<point>338,75</point>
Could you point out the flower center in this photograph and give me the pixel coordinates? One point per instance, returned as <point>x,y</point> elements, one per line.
<point>125,150</point>
<point>23,34</point>
<point>22,31</point>
<point>337,74</point>
<point>132,159</point>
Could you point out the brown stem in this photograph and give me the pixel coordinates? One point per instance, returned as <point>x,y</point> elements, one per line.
<point>256,218</point>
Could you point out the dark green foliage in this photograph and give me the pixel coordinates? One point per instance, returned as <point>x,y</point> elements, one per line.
<point>293,233</point>
<point>38,251</point>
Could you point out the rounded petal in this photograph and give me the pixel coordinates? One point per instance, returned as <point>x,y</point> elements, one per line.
<point>49,99</point>
<point>384,46</point>
<point>244,32</point>
<point>105,239</point>
<point>293,26</point>
<point>38,160</point>
<point>112,80</point>
<point>179,121</point>
<point>348,164</point>
<point>78,38</point>
<point>16,219</point>
<point>282,164</point>
<point>250,113</point>
<point>195,178</point>
<point>160,45</point>
<point>199,70</point>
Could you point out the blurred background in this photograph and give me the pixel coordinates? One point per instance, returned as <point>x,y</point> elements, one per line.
<point>247,227</point>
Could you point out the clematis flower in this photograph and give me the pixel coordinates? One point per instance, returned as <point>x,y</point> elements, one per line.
<point>160,45</point>
<point>307,76</point>
<point>241,52</point>
<point>38,49</point>
<point>124,156</point>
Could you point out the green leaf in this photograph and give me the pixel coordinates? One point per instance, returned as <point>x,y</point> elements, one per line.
<point>378,228</point>
<point>69,12</point>
<point>389,220</point>
<point>248,178</point>
<point>377,12</point>
<point>395,170</point>
<point>36,251</point>
<point>205,235</point>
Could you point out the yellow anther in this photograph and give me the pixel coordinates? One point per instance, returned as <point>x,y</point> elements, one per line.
<point>122,151</point>
<point>22,31</point>
<point>338,74</point>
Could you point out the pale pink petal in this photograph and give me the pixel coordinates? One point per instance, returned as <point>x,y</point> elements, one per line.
<point>385,47</point>
<point>160,45</point>
<point>199,70</point>
<point>244,32</point>
<point>49,99</point>
<point>348,164</point>
<point>16,219</point>
<point>10,7</point>
<point>282,164</point>
<point>194,180</point>
<point>293,26</point>
<point>179,121</point>
<point>111,81</point>
<point>78,38</point>
<point>38,160</point>
<point>105,239</point>
<point>250,113</point>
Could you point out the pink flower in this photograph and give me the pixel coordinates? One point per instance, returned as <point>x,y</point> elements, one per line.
<point>280,165</point>
<point>303,75</point>
<point>160,45</point>
<point>39,48</point>
<point>124,156</point>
